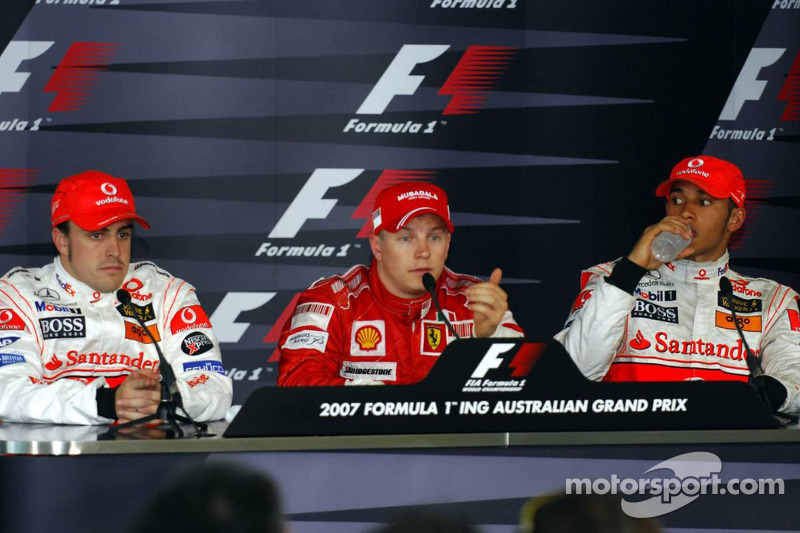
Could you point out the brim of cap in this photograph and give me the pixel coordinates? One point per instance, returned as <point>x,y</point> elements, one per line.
<point>664,187</point>
<point>92,224</point>
<point>393,226</point>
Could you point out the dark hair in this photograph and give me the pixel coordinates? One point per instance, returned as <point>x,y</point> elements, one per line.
<point>63,227</point>
<point>213,498</point>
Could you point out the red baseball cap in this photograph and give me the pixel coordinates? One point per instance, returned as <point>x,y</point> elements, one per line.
<point>93,200</point>
<point>396,205</point>
<point>715,176</point>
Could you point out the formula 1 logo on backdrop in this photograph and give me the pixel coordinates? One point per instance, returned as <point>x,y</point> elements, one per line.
<point>72,82</point>
<point>750,86</point>
<point>469,84</point>
<point>313,203</point>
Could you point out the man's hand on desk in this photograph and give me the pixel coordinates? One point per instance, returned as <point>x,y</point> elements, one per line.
<point>138,396</point>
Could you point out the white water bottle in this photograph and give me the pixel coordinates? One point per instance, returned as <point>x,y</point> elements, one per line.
<point>666,246</point>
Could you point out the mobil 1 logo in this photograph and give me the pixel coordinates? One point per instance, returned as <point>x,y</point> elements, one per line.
<point>63,327</point>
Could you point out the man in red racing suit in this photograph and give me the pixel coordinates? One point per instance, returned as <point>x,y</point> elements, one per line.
<point>71,352</point>
<point>638,319</point>
<point>378,324</point>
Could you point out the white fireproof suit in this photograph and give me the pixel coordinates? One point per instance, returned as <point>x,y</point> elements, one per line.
<point>61,341</point>
<point>675,326</point>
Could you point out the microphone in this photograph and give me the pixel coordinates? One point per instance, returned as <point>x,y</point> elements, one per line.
<point>769,389</point>
<point>164,368</point>
<point>753,364</point>
<point>429,282</point>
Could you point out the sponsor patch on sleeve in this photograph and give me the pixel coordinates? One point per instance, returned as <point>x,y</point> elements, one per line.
<point>191,317</point>
<point>309,339</point>
<point>794,320</point>
<point>196,344</point>
<point>315,314</point>
<point>9,321</point>
<point>10,359</point>
<point>206,366</point>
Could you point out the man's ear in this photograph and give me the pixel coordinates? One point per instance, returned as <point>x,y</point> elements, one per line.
<point>61,241</point>
<point>736,219</point>
<point>375,246</point>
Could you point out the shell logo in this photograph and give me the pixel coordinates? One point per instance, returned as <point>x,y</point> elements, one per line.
<point>368,337</point>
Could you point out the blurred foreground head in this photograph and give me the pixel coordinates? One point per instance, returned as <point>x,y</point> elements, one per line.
<point>213,498</point>
<point>580,513</point>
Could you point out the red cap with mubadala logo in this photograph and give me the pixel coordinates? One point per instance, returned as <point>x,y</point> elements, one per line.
<point>93,200</point>
<point>395,206</point>
<point>717,177</point>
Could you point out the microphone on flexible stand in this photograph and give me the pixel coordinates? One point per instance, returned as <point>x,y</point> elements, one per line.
<point>429,282</point>
<point>170,395</point>
<point>761,382</point>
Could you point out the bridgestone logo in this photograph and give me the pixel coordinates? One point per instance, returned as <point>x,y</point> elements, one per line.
<point>368,371</point>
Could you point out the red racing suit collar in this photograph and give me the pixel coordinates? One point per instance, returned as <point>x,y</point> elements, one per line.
<point>411,309</point>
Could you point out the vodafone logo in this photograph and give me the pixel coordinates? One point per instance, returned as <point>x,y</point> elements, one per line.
<point>9,321</point>
<point>108,189</point>
<point>190,317</point>
<point>696,163</point>
<point>6,316</point>
<point>133,284</point>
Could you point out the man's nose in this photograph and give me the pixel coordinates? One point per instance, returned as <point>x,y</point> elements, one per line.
<point>113,248</point>
<point>423,249</point>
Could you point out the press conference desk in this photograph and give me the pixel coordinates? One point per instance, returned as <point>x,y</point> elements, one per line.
<point>52,476</point>
<point>439,444</point>
<point>57,440</point>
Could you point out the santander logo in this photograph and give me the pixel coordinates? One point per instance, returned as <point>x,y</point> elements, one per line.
<point>640,343</point>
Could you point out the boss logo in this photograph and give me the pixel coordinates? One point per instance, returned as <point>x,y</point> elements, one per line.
<point>63,328</point>
<point>652,311</point>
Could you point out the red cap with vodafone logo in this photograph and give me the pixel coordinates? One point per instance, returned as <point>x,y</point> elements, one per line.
<point>719,178</point>
<point>395,206</point>
<point>93,200</point>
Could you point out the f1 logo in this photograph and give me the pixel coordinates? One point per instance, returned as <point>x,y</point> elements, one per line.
<point>310,202</point>
<point>748,86</point>
<point>474,75</point>
<point>492,359</point>
<point>12,80</point>
<point>397,79</point>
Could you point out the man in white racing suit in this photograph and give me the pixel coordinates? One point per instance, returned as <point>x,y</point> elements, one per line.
<point>71,352</point>
<point>638,319</point>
